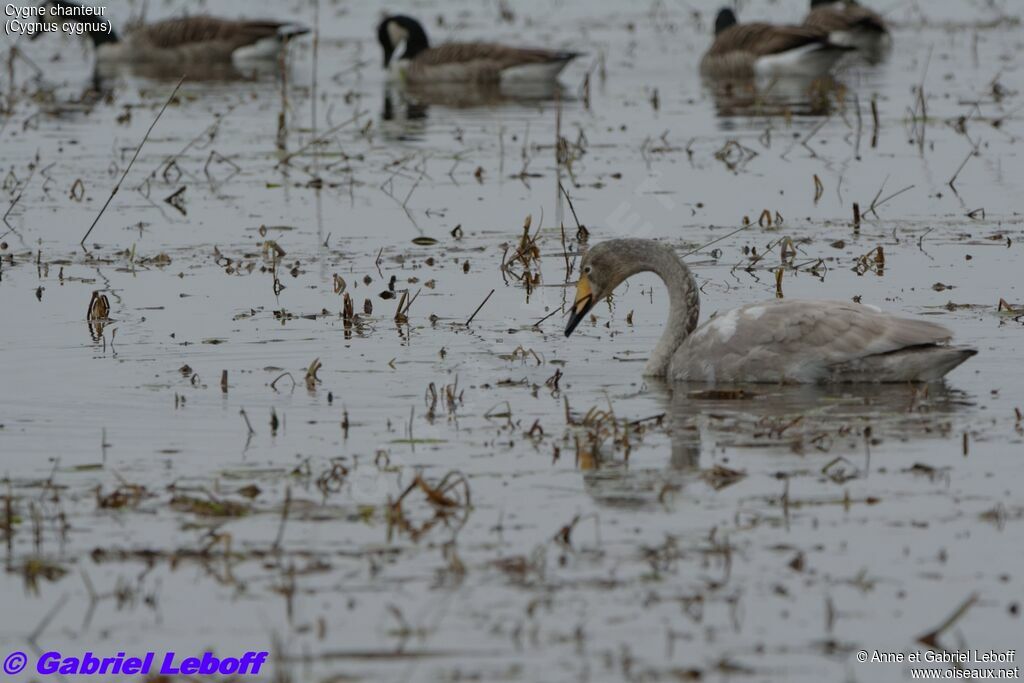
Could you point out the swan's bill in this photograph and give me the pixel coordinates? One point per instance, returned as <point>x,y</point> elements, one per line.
<point>583,303</point>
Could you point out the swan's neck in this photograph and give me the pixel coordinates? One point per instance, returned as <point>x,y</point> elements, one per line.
<point>684,307</point>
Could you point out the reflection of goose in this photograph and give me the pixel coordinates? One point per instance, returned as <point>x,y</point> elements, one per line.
<point>847,23</point>
<point>398,108</point>
<point>759,49</point>
<point>188,40</point>
<point>465,95</point>
<point>463,62</point>
<point>780,341</point>
<point>785,96</point>
<point>212,73</point>
<point>413,100</point>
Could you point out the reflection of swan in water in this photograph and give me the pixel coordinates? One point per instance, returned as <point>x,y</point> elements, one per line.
<point>824,420</point>
<point>615,482</point>
<point>809,418</point>
<point>781,341</point>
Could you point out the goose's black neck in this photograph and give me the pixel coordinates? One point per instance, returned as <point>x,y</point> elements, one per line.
<point>724,20</point>
<point>402,29</point>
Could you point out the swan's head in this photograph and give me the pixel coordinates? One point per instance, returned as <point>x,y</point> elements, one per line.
<point>603,268</point>
<point>608,264</point>
<point>398,29</point>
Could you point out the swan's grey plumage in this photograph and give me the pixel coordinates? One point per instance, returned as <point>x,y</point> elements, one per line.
<point>199,39</point>
<point>779,341</point>
<point>482,63</point>
<point>755,49</point>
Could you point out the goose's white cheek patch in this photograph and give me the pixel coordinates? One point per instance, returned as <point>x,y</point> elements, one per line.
<point>396,33</point>
<point>754,312</point>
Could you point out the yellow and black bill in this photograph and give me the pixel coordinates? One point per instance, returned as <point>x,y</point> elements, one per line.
<point>582,304</point>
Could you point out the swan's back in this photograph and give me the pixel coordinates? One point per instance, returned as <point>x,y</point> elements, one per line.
<point>815,341</point>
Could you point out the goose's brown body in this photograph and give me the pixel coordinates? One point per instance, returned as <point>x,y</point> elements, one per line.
<point>746,50</point>
<point>845,16</point>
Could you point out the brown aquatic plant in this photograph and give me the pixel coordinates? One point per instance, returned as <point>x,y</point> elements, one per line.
<point>99,307</point>
<point>448,499</point>
<point>311,379</point>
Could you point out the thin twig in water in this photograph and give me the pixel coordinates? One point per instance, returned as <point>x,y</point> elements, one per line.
<point>931,638</point>
<point>952,181</point>
<point>537,324</point>
<point>284,518</point>
<point>719,239</point>
<point>318,140</point>
<point>132,162</point>
<point>273,385</point>
<point>38,631</point>
<point>571,207</point>
<point>875,203</point>
<point>478,308</point>
<point>15,201</point>
<point>247,423</point>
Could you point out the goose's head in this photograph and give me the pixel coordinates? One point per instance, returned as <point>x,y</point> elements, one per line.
<point>604,267</point>
<point>398,29</point>
<point>726,18</point>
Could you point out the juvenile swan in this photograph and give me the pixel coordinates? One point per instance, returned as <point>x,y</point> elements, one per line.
<point>781,341</point>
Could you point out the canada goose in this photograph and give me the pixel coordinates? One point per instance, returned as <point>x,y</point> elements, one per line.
<point>779,341</point>
<point>756,49</point>
<point>463,62</point>
<point>197,39</point>
<point>846,22</point>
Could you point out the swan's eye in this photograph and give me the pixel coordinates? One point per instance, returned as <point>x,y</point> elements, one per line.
<point>587,269</point>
